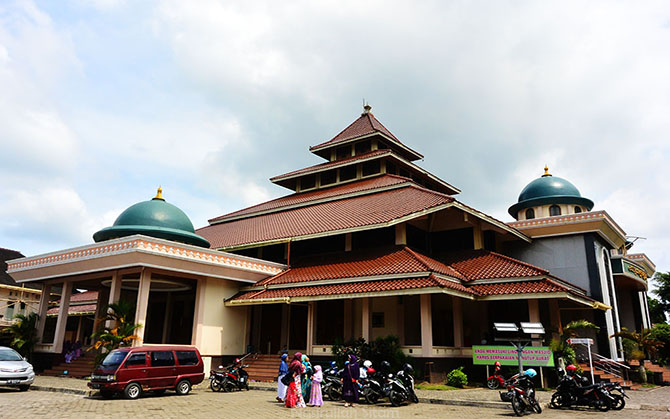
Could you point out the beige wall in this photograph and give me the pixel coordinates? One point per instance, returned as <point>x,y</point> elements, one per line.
<point>11,294</point>
<point>388,306</point>
<point>222,329</point>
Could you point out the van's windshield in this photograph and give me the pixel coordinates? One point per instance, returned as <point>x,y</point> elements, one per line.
<point>114,359</point>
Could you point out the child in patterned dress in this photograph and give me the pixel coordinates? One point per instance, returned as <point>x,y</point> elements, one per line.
<point>315,398</point>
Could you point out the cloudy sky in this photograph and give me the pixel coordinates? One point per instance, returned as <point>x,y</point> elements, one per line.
<point>101,101</point>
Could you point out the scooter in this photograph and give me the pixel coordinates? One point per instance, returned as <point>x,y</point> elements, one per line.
<point>216,379</point>
<point>332,386</point>
<point>235,378</point>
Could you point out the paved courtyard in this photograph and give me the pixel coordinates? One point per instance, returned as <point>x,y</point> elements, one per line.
<point>202,403</point>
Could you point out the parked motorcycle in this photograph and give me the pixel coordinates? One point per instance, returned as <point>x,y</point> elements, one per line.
<point>216,379</point>
<point>521,393</point>
<point>496,380</point>
<point>619,402</point>
<point>235,377</point>
<point>401,387</point>
<point>331,385</point>
<point>573,390</point>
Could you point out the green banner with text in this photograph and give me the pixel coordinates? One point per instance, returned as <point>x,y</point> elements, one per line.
<point>533,356</point>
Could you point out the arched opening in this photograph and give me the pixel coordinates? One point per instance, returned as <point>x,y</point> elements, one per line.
<point>554,210</point>
<point>578,209</point>
<point>530,214</point>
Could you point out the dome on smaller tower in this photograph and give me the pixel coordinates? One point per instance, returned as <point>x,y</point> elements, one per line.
<point>154,218</point>
<point>547,190</point>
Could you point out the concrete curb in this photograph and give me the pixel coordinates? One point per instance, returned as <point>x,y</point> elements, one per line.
<point>62,390</point>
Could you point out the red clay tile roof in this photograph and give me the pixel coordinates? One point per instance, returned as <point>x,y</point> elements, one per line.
<point>505,288</point>
<point>349,213</point>
<point>520,287</point>
<point>366,124</point>
<point>72,310</point>
<point>327,165</point>
<point>346,288</point>
<point>83,296</point>
<point>320,194</point>
<point>384,261</point>
<point>482,264</point>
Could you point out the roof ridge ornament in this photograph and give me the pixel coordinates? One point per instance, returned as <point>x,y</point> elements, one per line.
<point>366,108</point>
<point>159,194</point>
<point>546,171</point>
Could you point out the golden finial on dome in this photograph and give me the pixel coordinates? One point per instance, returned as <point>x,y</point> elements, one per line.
<point>159,194</point>
<point>546,171</point>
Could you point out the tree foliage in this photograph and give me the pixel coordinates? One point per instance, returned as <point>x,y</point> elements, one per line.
<point>120,332</point>
<point>662,283</point>
<point>561,348</point>
<point>381,349</point>
<point>24,334</point>
<point>656,311</point>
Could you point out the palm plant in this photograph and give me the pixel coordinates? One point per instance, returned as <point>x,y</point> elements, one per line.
<point>118,329</point>
<point>646,345</point>
<point>560,347</point>
<point>24,334</point>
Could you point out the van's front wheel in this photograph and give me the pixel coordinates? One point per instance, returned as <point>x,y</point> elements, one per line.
<point>183,387</point>
<point>132,391</point>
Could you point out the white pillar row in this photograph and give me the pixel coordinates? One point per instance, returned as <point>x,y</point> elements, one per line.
<point>311,324</point>
<point>365,318</point>
<point>42,310</point>
<point>59,337</point>
<point>457,308</point>
<point>142,305</point>
<point>426,326</point>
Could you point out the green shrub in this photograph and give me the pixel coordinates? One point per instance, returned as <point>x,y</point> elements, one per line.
<point>661,332</point>
<point>381,349</point>
<point>457,378</point>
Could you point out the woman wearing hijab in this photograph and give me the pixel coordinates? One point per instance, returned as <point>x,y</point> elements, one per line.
<point>293,393</point>
<point>350,377</point>
<point>283,370</point>
<point>306,377</point>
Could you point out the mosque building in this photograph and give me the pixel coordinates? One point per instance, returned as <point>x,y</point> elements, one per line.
<point>366,244</point>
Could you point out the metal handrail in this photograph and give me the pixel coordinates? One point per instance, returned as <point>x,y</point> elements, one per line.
<point>608,365</point>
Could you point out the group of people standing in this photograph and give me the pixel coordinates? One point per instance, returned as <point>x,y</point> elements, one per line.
<point>298,381</point>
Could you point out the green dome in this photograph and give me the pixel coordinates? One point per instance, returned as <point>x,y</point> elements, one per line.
<point>547,190</point>
<point>154,218</point>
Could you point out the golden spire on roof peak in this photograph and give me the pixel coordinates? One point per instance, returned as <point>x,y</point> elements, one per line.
<point>546,171</point>
<point>159,194</point>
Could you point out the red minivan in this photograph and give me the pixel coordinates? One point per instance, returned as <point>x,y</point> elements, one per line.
<point>153,368</point>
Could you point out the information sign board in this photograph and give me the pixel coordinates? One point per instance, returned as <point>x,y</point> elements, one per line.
<point>533,356</point>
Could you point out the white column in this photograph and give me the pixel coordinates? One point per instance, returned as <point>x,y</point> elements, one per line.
<point>457,308</point>
<point>283,339</point>
<point>642,297</point>
<point>42,310</point>
<point>311,323</point>
<point>62,317</point>
<point>166,317</point>
<point>199,317</point>
<point>114,293</point>
<point>365,319</point>
<point>142,305</point>
<point>426,326</point>
<point>347,319</point>
<point>534,317</point>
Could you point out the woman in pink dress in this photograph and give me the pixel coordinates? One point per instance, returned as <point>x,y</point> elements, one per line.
<point>315,398</point>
